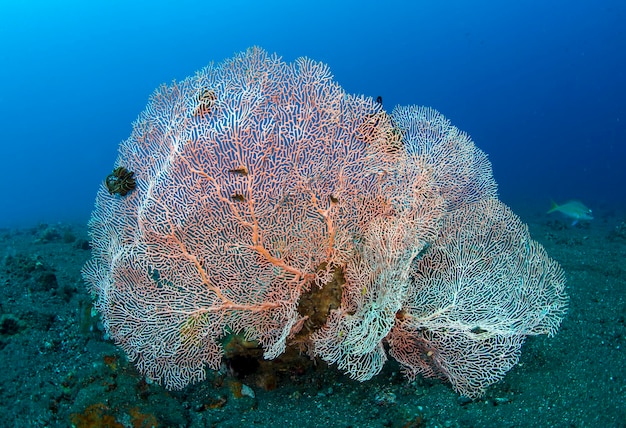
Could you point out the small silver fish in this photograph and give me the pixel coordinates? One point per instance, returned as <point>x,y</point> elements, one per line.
<point>572,209</point>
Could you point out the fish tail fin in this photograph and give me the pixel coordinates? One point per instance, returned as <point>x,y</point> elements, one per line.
<point>553,207</point>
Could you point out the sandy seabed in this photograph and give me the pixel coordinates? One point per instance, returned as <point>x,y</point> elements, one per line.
<point>59,371</point>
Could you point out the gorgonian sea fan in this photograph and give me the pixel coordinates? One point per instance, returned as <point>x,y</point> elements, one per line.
<point>257,183</point>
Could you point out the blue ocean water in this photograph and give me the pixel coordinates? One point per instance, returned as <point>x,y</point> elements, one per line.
<point>540,86</point>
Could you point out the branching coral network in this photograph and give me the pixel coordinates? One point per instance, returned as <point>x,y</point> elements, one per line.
<point>269,203</point>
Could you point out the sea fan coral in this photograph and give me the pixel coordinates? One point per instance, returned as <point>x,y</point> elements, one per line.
<point>256,184</point>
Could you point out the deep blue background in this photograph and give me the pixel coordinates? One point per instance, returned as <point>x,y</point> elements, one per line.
<point>539,85</point>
